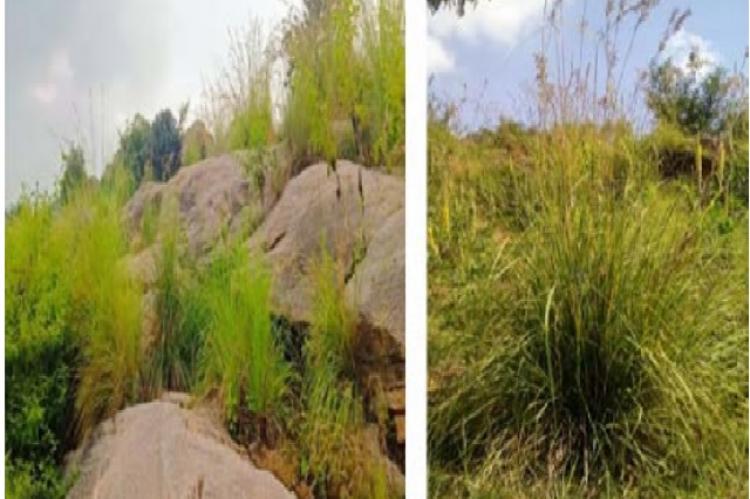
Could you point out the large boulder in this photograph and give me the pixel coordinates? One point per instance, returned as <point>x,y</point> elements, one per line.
<point>359,214</point>
<point>161,449</point>
<point>211,196</point>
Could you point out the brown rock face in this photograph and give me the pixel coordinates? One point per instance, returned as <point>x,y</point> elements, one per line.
<point>211,197</point>
<point>365,232</point>
<point>359,214</point>
<point>160,449</point>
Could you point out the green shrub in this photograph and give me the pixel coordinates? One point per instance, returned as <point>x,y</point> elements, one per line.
<point>39,350</point>
<point>27,480</point>
<point>71,336</point>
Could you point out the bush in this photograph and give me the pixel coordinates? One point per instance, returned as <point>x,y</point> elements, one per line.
<point>71,337</point>
<point>39,350</point>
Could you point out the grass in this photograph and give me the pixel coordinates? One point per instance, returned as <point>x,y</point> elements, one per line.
<point>39,351</point>
<point>76,346</point>
<point>174,354</point>
<point>106,307</point>
<point>237,104</point>
<point>344,86</point>
<point>590,339</point>
<point>333,322</point>
<point>588,290</point>
<point>333,433</point>
<point>241,355</point>
<point>80,342</point>
<point>347,84</point>
<point>72,336</point>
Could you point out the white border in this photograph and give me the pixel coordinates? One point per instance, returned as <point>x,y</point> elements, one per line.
<point>2,238</point>
<point>416,249</point>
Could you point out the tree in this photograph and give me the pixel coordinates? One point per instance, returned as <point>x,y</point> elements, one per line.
<point>134,147</point>
<point>165,145</point>
<point>459,5</point>
<point>74,171</point>
<point>696,101</point>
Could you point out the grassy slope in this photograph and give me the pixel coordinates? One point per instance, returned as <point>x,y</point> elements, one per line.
<point>588,322</point>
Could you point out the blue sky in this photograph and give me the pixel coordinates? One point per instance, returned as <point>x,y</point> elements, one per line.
<point>485,59</point>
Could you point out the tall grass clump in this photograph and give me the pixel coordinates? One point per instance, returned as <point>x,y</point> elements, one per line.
<point>237,105</point>
<point>588,311</point>
<point>178,336</point>
<point>616,354</point>
<point>346,83</point>
<point>241,356</point>
<point>333,322</point>
<point>105,304</point>
<point>383,95</point>
<point>332,434</point>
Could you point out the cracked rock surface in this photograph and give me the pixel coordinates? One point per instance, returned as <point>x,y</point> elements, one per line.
<point>359,214</point>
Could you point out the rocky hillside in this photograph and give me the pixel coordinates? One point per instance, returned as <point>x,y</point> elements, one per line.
<point>163,449</point>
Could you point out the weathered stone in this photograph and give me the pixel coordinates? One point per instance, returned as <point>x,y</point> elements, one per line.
<point>209,196</point>
<point>160,449</point>
<point>358,214</point>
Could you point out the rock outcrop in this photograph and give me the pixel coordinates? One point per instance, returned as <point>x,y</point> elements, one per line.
<point>161,449</point>
<point>211,196</point>
<point>359,214</point>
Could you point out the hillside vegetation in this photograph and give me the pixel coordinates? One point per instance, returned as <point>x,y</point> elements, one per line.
<point>588,293</point>
<point>76,347</point>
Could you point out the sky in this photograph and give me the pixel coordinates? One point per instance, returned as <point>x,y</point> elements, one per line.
<point>484,60</point>
<point>79,69</point>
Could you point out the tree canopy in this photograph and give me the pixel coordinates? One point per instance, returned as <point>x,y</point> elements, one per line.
<point>165,145</point>
<point>696,99</point>
<point>134,146</point>
<point>74,170</point>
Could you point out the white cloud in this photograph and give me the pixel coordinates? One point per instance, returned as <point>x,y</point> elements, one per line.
<point>683,43</point>
<point>439,60</point>
<point>59,66</point>
<point>44,93</point>
<point>499,21</point>
<point>59,74</point>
